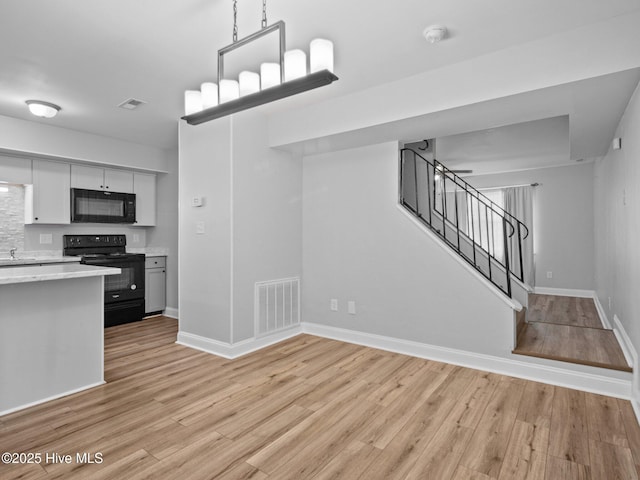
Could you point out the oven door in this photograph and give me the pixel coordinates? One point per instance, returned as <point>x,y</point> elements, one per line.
<point>128,284</point>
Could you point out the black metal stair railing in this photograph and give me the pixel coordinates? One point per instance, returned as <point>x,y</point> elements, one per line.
<point>479,230</point>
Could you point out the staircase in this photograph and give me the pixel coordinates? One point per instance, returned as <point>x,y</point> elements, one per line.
<point>480,231</point>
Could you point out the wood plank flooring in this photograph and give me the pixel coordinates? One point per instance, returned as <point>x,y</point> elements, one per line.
<point>569,329</point>
<point>313,408</point>
<point>578,312</point>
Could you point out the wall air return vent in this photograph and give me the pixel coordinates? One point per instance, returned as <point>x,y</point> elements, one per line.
<point>276,305</point>
<point>131,104</point>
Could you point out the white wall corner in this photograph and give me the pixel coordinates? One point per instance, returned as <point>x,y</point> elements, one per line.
<point>238,349</point>
<point>601,313</point>
<point>171,312</point>
<point>631,355</point>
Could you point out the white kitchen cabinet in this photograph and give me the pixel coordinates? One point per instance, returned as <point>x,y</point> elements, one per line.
<point>15,170</point>
<point>144,186</point>
<point>47,198</point>
<point>98,178</point>
<point>155,285</point>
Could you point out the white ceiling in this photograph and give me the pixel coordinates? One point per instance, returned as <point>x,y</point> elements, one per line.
<point>539,143</point>
<point>88,56</point>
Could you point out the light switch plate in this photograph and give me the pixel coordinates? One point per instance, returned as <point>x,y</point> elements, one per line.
<point>351,307</point>
<point>200,228</point>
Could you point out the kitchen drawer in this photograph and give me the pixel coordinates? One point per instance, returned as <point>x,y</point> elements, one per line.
<point>155,262</point>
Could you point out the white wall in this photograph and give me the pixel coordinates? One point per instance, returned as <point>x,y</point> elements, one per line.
<point>267,216</point>
<point>357,245</point>
<point>37,139</point>
<point>205,259</point>
<point>253,222</point>
<point>617,214</point>
<point>563,222</point>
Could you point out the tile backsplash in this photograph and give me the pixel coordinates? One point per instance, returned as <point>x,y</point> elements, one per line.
<point>11,218</point>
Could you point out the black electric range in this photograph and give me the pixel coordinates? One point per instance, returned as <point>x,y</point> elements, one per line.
<point>123,293</point>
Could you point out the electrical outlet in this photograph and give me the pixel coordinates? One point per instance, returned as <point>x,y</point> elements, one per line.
<point>136,237</point>
<point>46,238</point>
<point>549,274</point>
<point>200,228</point>
<point>334,305</point>
<point>351,307</point>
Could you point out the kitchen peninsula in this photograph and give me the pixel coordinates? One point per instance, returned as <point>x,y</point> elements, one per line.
<point>51,332</point>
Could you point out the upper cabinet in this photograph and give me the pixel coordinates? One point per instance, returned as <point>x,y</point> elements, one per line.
<point>47,198</point>
<point>144,186</point>
<point>15,170</point>
<point>97,178</point>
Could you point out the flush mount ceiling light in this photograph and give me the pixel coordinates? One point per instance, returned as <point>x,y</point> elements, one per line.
<point>435,33</point>
<point>275,81</point>
<point>42,109</point>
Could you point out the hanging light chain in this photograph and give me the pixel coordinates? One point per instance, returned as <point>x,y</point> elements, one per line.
<point>264,13</point>
<point>235,21</point>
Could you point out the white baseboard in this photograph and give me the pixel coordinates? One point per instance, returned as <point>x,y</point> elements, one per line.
<point>585,378</point>
<point>601,313</point>
<point>235,350</point>
<point>565,292</point>
<point>592,381</point>
<point>631,355</point>
<point>627,347</point>
<point>48,399</point>
<point>171,312</point>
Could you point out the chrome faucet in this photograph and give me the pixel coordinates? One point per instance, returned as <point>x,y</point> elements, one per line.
<point>12,252</point>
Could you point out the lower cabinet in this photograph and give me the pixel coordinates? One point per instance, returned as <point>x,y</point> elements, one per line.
<point>155,285</point>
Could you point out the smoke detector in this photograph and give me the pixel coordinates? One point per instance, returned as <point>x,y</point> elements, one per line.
<point>435,33</point>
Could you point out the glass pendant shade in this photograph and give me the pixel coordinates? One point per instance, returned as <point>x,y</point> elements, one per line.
<point>295,64</point>
<point>269,75</point>
<point>321,55</point>
<point>249,83</point>
<point>229,90</point>
<point>192,101</point>
<point>209,94</point>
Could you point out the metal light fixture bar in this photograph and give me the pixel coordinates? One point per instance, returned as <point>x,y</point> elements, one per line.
<point>279,25</point>
<point>292,87</point>
<point>283,90</point>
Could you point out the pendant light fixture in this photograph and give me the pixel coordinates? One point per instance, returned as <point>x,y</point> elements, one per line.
<point>289,76</point>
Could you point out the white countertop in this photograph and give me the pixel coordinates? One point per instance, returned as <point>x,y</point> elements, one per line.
<point>52,272</point>
<point>34,260</point>
<point>150,251</point>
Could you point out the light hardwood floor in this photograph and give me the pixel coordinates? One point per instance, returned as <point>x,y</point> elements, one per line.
<point>313,408</point>
<point>569,329</point>
<point>574,311</point>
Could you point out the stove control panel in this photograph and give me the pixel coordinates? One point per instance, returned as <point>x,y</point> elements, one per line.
<point>92,241</point>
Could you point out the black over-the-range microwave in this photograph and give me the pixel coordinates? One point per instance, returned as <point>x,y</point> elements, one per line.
<point>97,206</point>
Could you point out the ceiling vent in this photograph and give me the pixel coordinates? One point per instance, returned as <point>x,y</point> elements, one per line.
<point>131,104</point>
